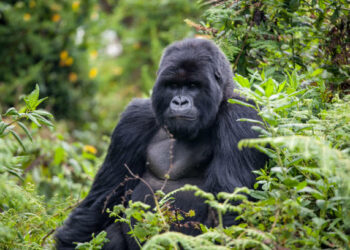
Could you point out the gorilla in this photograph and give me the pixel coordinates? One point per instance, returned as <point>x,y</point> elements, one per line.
<point>187,133</point>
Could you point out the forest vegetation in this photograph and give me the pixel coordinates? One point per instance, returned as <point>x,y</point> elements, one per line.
<point>69,67</point>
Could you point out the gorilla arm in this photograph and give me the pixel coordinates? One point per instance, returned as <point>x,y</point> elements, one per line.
<point>231,167</point>
<point>128,146</point>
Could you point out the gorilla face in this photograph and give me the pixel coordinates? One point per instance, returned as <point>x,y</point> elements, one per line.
<point>188,91</point>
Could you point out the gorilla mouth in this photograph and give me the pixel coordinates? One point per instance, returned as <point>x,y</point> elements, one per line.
<point>183,117</point>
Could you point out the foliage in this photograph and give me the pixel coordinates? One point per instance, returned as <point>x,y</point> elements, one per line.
<point>142,30</point>
<point>304,193</point>
<point>145,222</point>
<point>148,28</point>
<point>42,45</point>
<point>12,117</point>
<point>41,176</point>
<point>219,237</point>
<point>283,35</point>
<point>96,242</point>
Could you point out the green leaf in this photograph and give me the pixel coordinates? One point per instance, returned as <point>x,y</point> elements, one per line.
<point>259,89</point>
<point>235,101</point>
<point>250,120</point>
<point>39,101</point>
<point>43,113</point>
<point>32,99</point>
<point>25,129</point>
<point>11,111</point>
<point>33,119</point>
<point>42,119</point>
<point>281,86</point>
<point>316,72</point>
<point>321,204</point>
<point>59,155</point>
<point>18,139</point>
<point>244,82</point>
<point>269,87</point>
<point>291,182</point>
<point>3,126</point>
<point>301,185</point>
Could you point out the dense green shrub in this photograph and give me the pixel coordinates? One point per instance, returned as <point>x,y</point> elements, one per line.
<point>42,176</point>
<point>284,35</point>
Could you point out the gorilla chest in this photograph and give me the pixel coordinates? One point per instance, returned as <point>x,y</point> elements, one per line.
<point>180,161</point>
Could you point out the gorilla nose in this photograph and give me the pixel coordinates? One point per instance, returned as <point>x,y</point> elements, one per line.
<point>180,103</point>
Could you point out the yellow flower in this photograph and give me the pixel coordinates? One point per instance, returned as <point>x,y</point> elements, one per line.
<point>73,77</point>
<point>66,60</point>
<point>69,61</point>
<point>93,54</point>
<point>26,17</point>
<point>90,149</point>
<point>63,55</point>
<point>117,70</point>
<point>32,4</point>
<point>93,73</point>
<point>55,18</point>
<point>75,5</point>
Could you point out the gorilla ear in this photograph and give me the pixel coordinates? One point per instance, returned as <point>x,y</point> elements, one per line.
<point>217,75</point>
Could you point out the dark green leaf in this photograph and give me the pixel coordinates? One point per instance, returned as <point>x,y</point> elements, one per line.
<point>18,139</point>
<point>25,129</point>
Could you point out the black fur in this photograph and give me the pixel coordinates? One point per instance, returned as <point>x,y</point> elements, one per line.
<point>190,62</point>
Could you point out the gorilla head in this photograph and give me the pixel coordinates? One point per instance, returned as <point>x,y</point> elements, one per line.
<point>194,78</point>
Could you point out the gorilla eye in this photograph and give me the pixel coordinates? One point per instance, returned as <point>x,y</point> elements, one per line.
<point>193,85</point>
<point>173,85</point>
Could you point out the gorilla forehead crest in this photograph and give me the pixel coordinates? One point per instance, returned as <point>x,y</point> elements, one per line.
<point>190,55</point>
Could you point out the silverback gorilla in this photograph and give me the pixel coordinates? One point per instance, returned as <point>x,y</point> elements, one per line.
<point>189,102</point>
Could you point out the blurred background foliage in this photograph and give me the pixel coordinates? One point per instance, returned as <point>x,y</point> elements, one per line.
<point>91,57</point>
<point>283,36</point>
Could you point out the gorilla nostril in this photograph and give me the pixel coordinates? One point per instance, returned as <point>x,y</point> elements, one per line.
<point>184,102</point>
<point>176,101</point>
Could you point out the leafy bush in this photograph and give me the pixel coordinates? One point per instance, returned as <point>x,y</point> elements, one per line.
<point>41,176</point>
<point>38,117</point>
<point>283,35</point>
